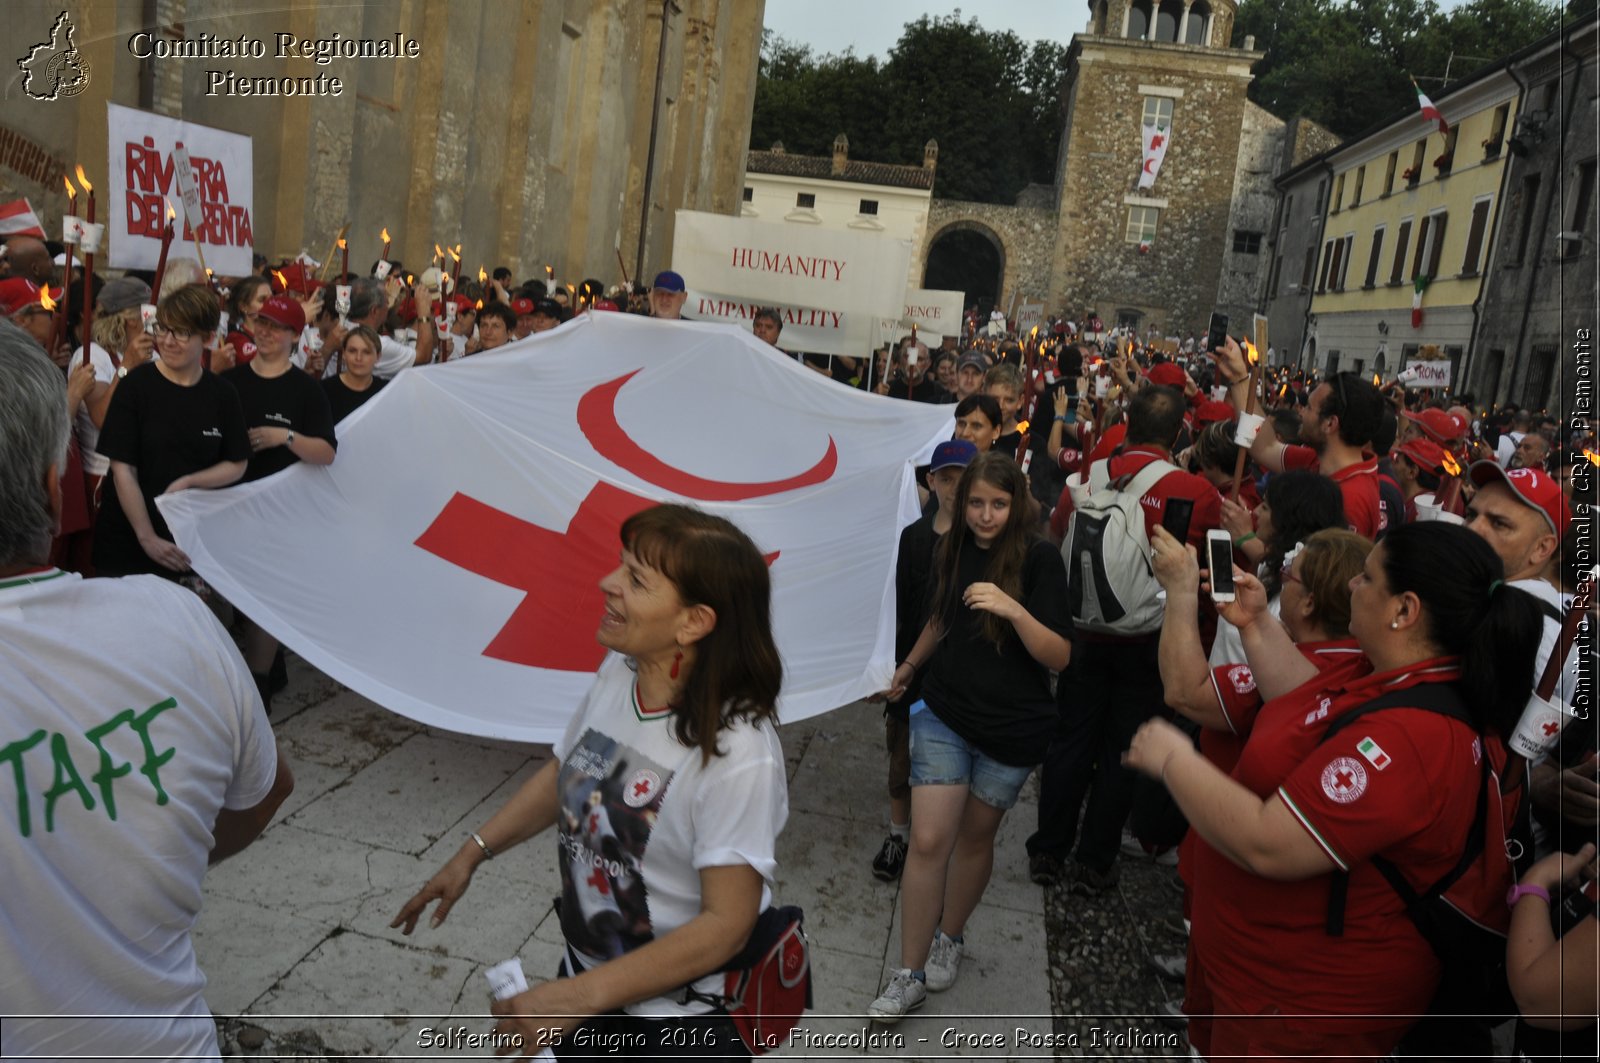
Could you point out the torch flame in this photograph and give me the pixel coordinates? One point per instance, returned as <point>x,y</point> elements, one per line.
<point>548,271</point>
<point>171,214</point>
<point>480,304</point>
<point>1251,352</point>
<point>1022,426</point>
<point>455,252</point>
<point>1376,380</point>
<point>482,276</point>
<point>84,181</point>
<point>384,236</point>
<point>281,279</point>
<point>1592,456</point>
<point>68,182</point>
<point>341,243</point>
<point>45,300</point>
<point>438,252</point>
<point>1451,466</point>
<point>1035,333</point>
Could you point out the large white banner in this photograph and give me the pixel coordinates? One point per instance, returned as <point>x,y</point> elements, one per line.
<point>144,180</point>
<point>791,265</point>
<point>935,312</point>
<point>446,564</point>
<point>805,328</point>
<point>1154,139</point>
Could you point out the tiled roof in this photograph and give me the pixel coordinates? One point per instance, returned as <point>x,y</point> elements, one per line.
<point>820,168</point>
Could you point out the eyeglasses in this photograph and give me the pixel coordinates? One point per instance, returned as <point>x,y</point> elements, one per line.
<point>1286,574</point>
<point>179,334</point>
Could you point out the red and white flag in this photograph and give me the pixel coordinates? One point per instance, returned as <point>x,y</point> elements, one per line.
<point>474,507</point>
<point>1156,137</point>
<point>1429,111</point>
<point>18,219</point>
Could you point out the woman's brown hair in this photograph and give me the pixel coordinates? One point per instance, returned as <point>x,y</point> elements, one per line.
<point>737,672</point>
<point>1007,553</point>
<point>1330,560</point>
<point>193,309</point>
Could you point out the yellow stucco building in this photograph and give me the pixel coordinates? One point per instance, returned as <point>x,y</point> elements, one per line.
<point>1404,201</point>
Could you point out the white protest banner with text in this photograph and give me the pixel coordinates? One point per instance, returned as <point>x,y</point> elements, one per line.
<point>936,314</point>
<point>810,329</point>
<point>144,179</point>
<point>1029,315</point>
<point>1426,374</point>
<point>792,265</point>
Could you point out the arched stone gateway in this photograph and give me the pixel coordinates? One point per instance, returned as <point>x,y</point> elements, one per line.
<point>962,236</point>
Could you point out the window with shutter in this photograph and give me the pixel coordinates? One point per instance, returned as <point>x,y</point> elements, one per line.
<point>1372,259</point>
<point>1480,222</point>
<point>1402,243</point>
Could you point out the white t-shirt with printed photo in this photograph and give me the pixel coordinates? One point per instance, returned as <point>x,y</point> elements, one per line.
<point>641,816</point>
<point>130,721</point>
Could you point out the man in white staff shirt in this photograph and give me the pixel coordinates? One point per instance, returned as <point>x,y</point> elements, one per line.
<point>133,752</point>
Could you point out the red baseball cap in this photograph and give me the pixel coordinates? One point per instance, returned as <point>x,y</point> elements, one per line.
<point>19,293</point>
<point>1425,454</point>
<point>1532,486</point>
<point>1211,411</point>
<point>1108,443</point>
<point>1167,375</point>
<point>284,311</point>
<point>522,307</point>
<point>1437,425</point>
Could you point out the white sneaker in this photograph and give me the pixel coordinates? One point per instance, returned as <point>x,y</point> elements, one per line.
<point>905,994</point>
<point>944,958</point>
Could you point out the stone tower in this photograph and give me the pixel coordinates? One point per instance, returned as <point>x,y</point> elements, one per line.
<point>1149,256</point>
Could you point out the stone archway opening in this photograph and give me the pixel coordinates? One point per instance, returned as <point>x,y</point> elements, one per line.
<point>967,257</point>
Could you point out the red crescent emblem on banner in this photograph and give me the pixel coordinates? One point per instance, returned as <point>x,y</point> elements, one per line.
<point>597,420</point>
<point>1147,163</point>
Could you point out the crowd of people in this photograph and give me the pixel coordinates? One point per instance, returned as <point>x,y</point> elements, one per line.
<point>1273,626</point>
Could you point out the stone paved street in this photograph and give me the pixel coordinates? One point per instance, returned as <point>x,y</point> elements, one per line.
<point>295,940</point>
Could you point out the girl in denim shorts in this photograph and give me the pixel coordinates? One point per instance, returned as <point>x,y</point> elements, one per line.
<point>1000,623</point>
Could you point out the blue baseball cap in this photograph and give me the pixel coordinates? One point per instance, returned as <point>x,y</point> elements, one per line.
<point>957,452</point>
<point>668,281</point>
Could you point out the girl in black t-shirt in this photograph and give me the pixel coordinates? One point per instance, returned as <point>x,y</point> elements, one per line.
<point>171,425</point>
<point>354,384</point>
<point>999,625</point>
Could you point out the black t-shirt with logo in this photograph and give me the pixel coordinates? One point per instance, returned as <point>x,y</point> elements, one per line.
<point>165,431</point>
<point>291,400</point>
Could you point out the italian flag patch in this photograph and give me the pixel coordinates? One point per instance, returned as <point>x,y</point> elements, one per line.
<point>1374,753</point>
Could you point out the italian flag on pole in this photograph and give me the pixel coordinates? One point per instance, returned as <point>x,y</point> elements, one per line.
<point>1429,111</point>
<point>1416,299</point>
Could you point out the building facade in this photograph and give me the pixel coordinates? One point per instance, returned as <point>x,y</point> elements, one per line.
<point>1539,299</point>
<point>560,132</point>
<point>1410,207</point>
<point>839,193</point>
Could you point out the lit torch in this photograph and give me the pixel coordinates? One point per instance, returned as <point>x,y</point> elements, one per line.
<point>71,240</point>
<point>384,236</point>
<point>88,269</point>
<point>1250,408</point>
<point>455,274</point>
<point>344,260</point>
<point>1447,497</point>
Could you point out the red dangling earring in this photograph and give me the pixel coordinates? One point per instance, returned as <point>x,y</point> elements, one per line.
<point>677,658</point>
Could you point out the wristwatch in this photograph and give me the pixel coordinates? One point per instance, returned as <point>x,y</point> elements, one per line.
<point>122,371</point>
<point>1517,892</point>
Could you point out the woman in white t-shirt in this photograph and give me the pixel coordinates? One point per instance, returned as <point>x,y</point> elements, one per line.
<point>668,790</point>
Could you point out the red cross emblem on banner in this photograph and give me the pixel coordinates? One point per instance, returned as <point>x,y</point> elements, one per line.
<point>560,571</point>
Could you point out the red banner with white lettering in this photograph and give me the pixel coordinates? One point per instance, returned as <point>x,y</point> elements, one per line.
<point>446,565</point>
<point>145,180</point>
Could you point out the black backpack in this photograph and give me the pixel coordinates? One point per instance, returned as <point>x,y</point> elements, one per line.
<point>1472,954</point>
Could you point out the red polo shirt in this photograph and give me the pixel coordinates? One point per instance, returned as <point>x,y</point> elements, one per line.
<point>1358,484</point>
